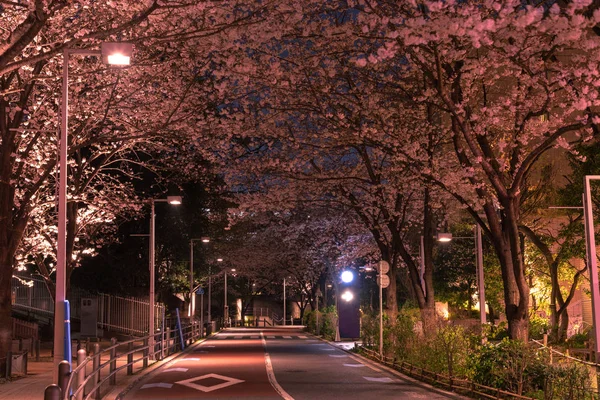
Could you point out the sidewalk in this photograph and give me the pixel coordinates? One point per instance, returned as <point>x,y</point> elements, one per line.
<point>40,374</point>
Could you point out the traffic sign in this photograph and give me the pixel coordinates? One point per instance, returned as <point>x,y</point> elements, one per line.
<point>383,267</point>
<point>200,291</point>
<point>383,281</point>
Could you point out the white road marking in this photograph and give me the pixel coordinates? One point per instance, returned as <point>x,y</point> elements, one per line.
<point>228,381</point>
<point>238,337</point>
<point>303,337</point>
<point>155,385</point>
<point>312,340</point>
<point>382,380</point>
<point>287,337</point>
<point>271,373</point>
<point>338,355</point>
<point>209,346</point>
<point>270,337</point>
<point>175,369</point>
<point>186,359</point>
<point>355,365</point>
<point>327,349</point>
<point>367,364</point>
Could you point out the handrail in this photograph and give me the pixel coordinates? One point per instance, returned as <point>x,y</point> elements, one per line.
<point>168,340</point>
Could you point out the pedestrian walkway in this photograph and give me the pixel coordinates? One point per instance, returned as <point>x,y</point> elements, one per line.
<point>40,375</point>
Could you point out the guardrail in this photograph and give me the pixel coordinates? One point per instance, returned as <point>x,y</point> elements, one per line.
<point>451,383</point>
<point>85,383</point>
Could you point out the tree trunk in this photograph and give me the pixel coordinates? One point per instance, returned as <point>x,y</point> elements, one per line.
<point>563,326</point>
<point>5,304</point>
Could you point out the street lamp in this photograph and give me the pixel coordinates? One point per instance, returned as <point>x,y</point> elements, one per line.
<point>447,237</point>
<point>192,313</point>
<point>173,200</point>
<point>592,261</point>
<point>118,54</point>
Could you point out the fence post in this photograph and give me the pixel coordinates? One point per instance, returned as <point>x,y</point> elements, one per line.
<point>96,367</point>
<point>81,355</point>
<point>168,340</point>
<point>130,358</point>
<point>52,392</point>
<point>8,364</point>
<point>64,370</point>
<point>145,353</point>
<point>113,361</point>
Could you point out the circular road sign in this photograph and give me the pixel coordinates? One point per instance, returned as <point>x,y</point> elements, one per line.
<point>383,281</point>
<point>200,291</point>
<point>383,267</point>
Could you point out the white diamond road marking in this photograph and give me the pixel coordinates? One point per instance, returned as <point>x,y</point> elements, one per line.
<point>382,380</point>
<point>175,370</point>
<point>228,382</point>
<point>354,365</point>
<point>155,385</point>
<point>287,337</point>
<point>338,355</point>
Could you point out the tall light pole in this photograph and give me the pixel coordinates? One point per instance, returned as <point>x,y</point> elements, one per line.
<point>192,312</point>
<point>592,261</point>
<point>446,237</point>
<point>173,200</point>
<point>117,54</point>
<point>284,299</point>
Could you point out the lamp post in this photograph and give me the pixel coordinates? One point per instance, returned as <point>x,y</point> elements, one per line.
<point>447,237</point>
<point>225,305</point>
<point>192,312</point>
<point>173,200</point>
<point>284,299</point>
<point>118,54</point>
<point>592,261</point>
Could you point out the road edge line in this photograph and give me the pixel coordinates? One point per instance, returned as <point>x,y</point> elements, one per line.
<point>271,373</point>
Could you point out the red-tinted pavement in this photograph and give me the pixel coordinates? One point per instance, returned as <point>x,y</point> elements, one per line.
<point>276,363</point>
<point>219,368</point>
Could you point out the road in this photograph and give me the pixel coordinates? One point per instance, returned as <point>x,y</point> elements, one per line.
<point>274,364</point>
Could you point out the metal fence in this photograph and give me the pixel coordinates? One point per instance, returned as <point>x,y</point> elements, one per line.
<point>128,315</point>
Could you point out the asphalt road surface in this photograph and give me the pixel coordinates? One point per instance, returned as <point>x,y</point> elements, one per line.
<point>274,364</point>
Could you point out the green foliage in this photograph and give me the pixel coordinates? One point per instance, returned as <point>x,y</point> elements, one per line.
<point>510,365</point>
<point>568,382</point>
<point>538,326</point>
<point>327,322</point>
<point>579,340</point>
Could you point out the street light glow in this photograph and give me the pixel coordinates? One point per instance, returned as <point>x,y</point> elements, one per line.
<point>205,239</point>
<point>174,200</point>
<point>347,276</point>
<point>347,296</point>
<point>219,260</point>
<point>444,237</point>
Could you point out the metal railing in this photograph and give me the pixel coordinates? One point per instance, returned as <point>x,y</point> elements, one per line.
<point>128,315</point>
<point>91,383</point>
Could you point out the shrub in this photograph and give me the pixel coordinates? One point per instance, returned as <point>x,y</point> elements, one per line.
<point>567,382</point>
<point>537,327</point>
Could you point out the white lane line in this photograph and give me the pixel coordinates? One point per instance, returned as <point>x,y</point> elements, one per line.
<point>186,359</point>
<point>175,370</point>
<point>312,340</point>
<point>238,337</point>
<point>326,349</point>
<point>155,385</point>
<point>338,355</point>
<point>303,337</point>
<point>374,368</point>
<point>382,380</point>
<point>287,337</point>
<point>209,346</point>
<point>354,365</point>
<point>271,374</point>
<point>270,337</point>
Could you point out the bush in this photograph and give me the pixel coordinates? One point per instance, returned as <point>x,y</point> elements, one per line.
<point>579,340</point>
<point>509,365</point>
<point>568,382</point>
<point>537,327</point>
